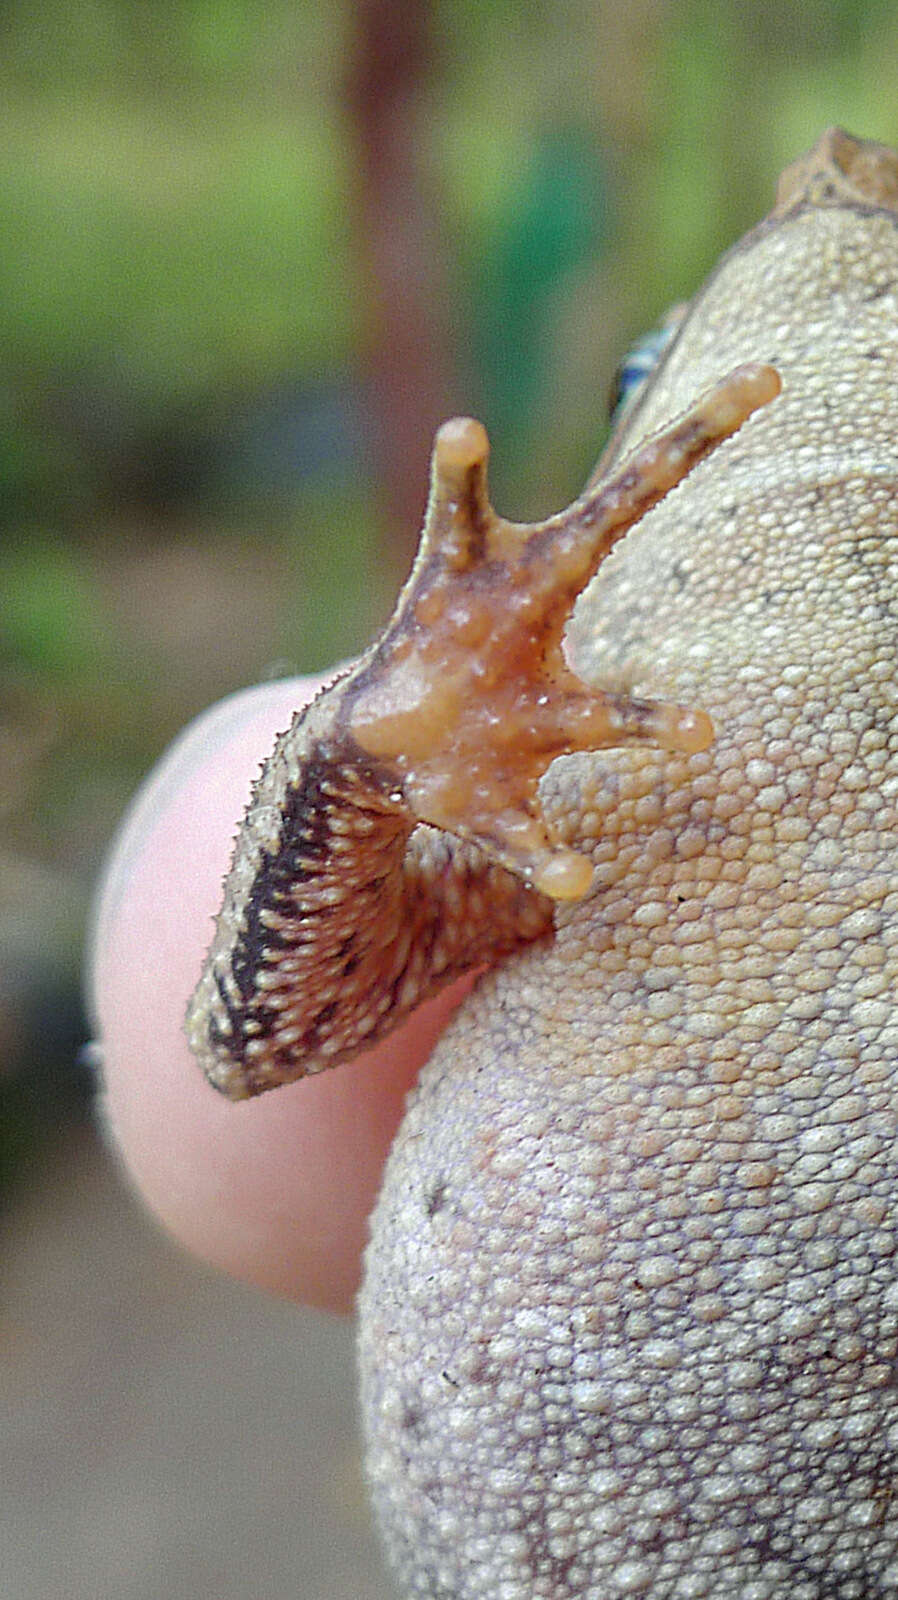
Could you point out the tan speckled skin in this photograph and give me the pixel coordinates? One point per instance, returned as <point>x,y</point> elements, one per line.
<point>630,1320</point>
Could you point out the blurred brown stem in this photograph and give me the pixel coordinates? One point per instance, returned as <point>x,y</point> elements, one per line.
<point>403,267</point>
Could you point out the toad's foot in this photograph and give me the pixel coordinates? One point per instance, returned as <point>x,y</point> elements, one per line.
<point>468,696</point>
<point>341,913</point>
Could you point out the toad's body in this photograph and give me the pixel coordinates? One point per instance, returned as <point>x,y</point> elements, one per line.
<point>630,1321</point>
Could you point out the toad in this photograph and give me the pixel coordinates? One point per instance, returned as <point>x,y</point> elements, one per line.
<point>629,1323</point>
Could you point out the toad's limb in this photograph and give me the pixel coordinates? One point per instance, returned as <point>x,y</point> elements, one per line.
<point>394,838</point>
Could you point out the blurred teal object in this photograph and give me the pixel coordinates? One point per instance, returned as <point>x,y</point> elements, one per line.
<point>640,362</point>
<point>557,218</point>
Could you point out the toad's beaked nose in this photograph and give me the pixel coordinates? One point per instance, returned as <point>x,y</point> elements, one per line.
<point>840,170</point>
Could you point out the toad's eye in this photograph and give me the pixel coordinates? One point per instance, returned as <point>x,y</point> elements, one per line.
<point>640,362</point>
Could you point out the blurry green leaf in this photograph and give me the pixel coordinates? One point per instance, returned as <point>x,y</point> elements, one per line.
<point>178,256</point>
<point>51,616</point>
<point>553,220</point>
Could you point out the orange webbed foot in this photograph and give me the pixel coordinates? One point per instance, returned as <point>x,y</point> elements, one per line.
<point>468,693</point>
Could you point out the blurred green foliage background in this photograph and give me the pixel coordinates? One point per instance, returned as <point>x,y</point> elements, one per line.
<point>249,256</point>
